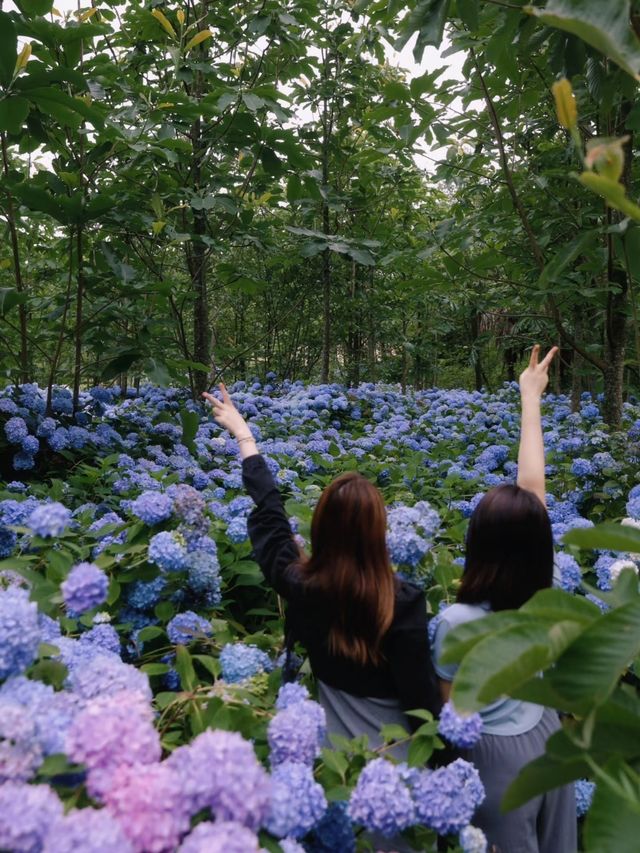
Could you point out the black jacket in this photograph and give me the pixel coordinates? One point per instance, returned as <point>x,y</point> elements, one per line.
<point>407,670</point>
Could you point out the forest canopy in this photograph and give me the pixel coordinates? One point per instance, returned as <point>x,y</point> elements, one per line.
<point>204,190</point>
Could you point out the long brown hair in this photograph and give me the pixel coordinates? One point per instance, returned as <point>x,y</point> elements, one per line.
<point>350,566</point>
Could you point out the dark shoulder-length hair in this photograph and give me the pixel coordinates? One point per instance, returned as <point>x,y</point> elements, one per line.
<point>350,568</point>
<point>509,553</point>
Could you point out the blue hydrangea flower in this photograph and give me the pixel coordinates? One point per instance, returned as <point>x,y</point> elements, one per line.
<point>240,661</point>
<point>186,627</point>
<point>19,631</point>
<point>297,801</point>
<point>143,595</point>
<point>473,840</point>
<point>584,795</point>
<point>86,586</point>
<point>461,731</point>
<point>237,530</point>
<point>334,832</point>
<point>381,801</point>
<point>152,507</point>
<point>204,576</point>
<point>581,467</point>
<point>570,572</point>
<point>296,733</point>
<point>8,541</point>
<point>49,519</point>
<point>16,430</point>
<point>168,551</point>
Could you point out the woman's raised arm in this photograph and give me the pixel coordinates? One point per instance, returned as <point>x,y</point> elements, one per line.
<point>533,382</point>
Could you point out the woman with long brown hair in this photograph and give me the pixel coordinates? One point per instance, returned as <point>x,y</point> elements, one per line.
<point>364,629</point>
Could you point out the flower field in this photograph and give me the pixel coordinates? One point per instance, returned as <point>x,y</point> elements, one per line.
<point>142,705</point>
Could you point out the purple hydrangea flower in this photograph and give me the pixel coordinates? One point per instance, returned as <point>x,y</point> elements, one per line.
<point>103,636</point>
<point>461,731</point>
<point>204,576</point>
<point>447,798</point>
<point>297,801</point>
<point>49,519</point>
<point>27,813</point>
<point>109,732</point>
<point>333,832</point>
<point>219,770</point>
<point>89,830</point>
<point>152,507</point>
<point>291,693</point>
<point>143,595</point>
<point>186,627</point>
<point>381,801</point>
<point>19,631</point>
<point>223,836</point>
<point>85,587</point>
<point>147,802</point>
<point>296,733</point>
<point>105,674</point>
<point>20,753</point>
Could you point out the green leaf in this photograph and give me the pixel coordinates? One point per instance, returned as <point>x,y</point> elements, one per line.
<point>606,536</point>
<point>184,665</point>
<point>35,7</point>
<point>9,298</point>
<point>468,13</point>
<point>589,669</point>
<point>612,192</point>
<point>543,774</point>
<point>564,257</point>
<point>190,422</point>
<point>427,19</point>
<point>604,24</point>
<point>13,112</point>
<point>504,660</point>
<point>613,823</point>
<point>252,102</point>
<point>392,731</point>
<point>155,668</point>
<point>8,48</point>
<point>149,633</point>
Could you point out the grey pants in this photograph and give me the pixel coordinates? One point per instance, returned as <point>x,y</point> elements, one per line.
<point>546,824</point>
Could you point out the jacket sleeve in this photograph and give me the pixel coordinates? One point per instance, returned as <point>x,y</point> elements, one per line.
<point>273,544</point>
<point>409,657</point>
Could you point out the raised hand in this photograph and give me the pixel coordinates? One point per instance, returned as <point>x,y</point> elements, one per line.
<point>535,378</point>
<point>226,414</point>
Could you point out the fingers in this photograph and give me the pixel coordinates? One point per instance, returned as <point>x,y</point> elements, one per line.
<point>225,394</point>
<point>213,400</point>
<point>546,361</point>
<point>533,361</point>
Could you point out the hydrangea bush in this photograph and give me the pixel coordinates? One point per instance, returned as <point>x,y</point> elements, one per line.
<point>141,655</point>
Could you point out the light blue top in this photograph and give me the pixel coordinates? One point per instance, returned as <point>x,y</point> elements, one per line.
<point>504,717</point>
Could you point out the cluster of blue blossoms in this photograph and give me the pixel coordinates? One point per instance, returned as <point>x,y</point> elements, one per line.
<point>156,546</point>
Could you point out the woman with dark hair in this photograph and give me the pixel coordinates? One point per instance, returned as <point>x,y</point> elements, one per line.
<point>509,557</point>
<point>365,631</point>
